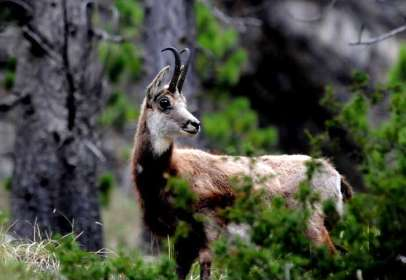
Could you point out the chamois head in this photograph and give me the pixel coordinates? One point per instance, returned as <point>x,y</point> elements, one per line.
<point>166,113</point>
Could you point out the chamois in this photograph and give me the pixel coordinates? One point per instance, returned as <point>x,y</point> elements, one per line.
<point>164,117</point>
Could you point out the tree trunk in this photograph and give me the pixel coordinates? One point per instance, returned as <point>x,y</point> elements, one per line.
<point>54,181</point>
<point>169,24</point>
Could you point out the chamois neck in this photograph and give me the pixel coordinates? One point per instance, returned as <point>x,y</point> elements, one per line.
<point>148,162</point>
<point>150,172</point>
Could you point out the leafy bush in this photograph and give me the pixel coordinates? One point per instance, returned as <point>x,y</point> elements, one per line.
<point>78,264</point>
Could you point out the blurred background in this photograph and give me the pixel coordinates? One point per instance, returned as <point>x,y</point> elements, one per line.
<point>73,74</point>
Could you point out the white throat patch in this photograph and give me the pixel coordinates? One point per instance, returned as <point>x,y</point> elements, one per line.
<point>156,124</point>
<point>160,145</point>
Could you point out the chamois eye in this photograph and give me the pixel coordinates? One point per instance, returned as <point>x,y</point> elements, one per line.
<point>164,103</point>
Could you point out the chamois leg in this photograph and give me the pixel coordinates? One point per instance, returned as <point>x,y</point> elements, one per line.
<point>186,253</point>
<point>188,248</point>
<point>205,259</point>
<point>327,241</point>
<point>318,233</point>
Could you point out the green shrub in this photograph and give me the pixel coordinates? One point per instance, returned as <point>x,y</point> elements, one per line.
<point>78,264</point>
<point>235,129</point>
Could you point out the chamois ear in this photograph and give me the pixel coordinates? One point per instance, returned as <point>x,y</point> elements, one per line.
<point>154,87</point>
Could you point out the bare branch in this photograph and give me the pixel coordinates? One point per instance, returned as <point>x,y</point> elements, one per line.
<point>379,38</point>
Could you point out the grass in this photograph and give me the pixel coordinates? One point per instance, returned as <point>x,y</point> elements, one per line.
<point>26,260</point>
<point>122,226</point>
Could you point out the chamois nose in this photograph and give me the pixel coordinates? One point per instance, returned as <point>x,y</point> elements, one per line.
<point>195,124</point>
<point>192,126</point>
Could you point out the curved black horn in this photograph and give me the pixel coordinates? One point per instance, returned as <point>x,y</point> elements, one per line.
<point>185,69</point>
<point>176,71</point>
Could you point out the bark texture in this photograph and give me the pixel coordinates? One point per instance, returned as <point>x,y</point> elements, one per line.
<point>54,180</point>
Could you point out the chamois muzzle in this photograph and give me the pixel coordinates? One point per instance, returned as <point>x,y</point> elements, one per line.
<point>176,71</point>
<point>192,126</point>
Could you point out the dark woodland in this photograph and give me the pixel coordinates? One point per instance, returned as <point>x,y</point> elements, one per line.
<point>88,192</point>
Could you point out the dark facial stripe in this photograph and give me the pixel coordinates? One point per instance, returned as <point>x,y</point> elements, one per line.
<point>158,95</point>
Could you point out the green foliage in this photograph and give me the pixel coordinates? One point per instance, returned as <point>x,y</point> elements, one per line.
<point>371,232</point>
<point>9,73</point>
<point>276,240</point>
<point>106,185</point>
<point>7,183</point>
<point>123,64</point>
<point>119,111</point>
<point>8,81</point>
<point>121,59</point>
<point>78,264</point>
<point>181,195</point>
<point>124,59</point>
<point>131,17</point>
<point>19,270</point>
<point>235,129</point>
<point>397,75</point>
<point>4,217</point>
<point>222,60</point>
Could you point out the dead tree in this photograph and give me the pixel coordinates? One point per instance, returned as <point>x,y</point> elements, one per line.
<point>59,87</point>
